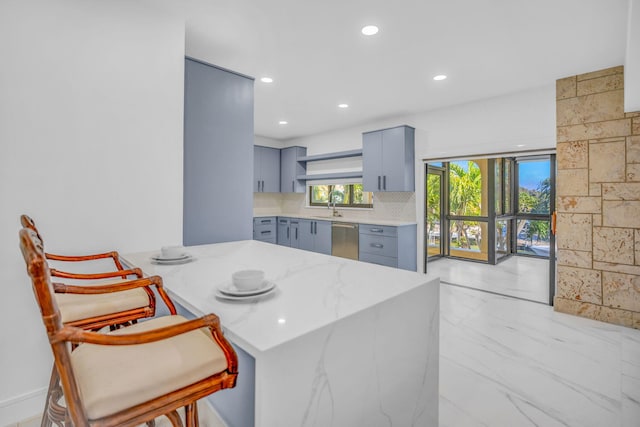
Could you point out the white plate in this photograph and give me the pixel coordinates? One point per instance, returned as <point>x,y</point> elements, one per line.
<point>177,261</point>
<point>231,290</point>
<point>222,296</point>
<point>181,257</point>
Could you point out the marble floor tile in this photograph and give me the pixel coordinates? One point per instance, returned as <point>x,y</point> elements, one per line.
<point>508,362</point>
<point>518,276</point>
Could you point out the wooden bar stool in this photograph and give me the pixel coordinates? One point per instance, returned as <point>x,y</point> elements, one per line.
<point>134,374</point>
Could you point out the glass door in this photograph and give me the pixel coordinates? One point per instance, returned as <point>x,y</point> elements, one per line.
<point>433,218</point>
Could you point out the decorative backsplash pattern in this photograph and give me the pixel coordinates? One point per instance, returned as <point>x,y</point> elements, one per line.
<point>598,199</point>
<point>399,206</point>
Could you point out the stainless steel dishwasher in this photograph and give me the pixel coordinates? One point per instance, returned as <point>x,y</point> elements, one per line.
<point>344,240</point>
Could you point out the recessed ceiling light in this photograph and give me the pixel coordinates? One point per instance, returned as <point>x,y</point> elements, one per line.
<point>369,30</point>
<point>521,145</point>
<point>343,105</point>
<point>440,77</point>
<point>283,122</point>
<point>266,80</point>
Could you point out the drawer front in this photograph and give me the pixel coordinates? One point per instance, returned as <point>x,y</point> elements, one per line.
<point>378,230</point>
<point>379,245</point>
<point>379,259</point>
<point>264,231</point>
<point>267,220</point>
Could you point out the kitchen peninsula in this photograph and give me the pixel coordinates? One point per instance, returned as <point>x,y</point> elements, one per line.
<point>339,342</point>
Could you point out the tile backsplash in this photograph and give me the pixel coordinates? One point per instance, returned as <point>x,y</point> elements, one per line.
<point>400,206</point>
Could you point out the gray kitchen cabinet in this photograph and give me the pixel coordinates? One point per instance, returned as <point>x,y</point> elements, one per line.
<point>218,140</point>
<point>291,168</point>
<point>294,232</point>
<point>266,169</point>
<point>387,245</point>
<point>265,229</point>
<point>284,233</point>
<point>388,159</point>
<point>315,236</point>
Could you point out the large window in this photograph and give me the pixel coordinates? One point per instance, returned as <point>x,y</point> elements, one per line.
<point>534,201</point>
<point>344,196</point>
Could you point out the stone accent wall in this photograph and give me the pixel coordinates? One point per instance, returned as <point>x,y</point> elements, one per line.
<point>598,199</point>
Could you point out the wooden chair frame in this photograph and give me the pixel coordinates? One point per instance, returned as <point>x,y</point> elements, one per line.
<point>60,336</point>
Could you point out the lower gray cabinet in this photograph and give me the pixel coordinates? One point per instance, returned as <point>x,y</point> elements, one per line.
<point>284,232</point>
<point>265,229</point>
<point>390,246</point>
<point>315,236</point>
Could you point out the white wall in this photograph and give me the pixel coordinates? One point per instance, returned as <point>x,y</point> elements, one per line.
<point>489,126</point>
<point>90,146</point>
<point>632,60</point>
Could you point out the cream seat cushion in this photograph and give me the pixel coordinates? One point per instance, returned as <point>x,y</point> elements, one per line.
<point>112,378</point>
<point>83,306</point>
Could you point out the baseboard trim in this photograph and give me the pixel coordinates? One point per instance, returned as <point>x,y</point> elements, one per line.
<point>22,407</point>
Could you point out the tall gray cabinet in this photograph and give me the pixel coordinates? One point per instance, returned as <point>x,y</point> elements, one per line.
<point>218,141</point>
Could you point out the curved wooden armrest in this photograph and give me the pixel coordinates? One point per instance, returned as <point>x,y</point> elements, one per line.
<point>61,288</point>
<point>73,258</point>
<point>77,335</point>
<point>92,276</point>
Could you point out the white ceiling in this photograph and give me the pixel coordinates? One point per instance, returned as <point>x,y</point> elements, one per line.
<point>318,58</point>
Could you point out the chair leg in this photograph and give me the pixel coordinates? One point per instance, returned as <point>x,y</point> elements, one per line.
<point>174,418</point>
<point>53,382</point>
<point>191,414</point>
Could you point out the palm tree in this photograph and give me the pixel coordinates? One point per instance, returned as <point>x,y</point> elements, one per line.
<point>465,193</point>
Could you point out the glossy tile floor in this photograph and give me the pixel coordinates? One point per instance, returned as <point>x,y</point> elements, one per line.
<point>517,276</point>
<point>508,362</point>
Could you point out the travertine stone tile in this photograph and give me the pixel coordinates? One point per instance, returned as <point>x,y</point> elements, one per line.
<point>601,84</point>
<point>613,245</point>
<point>621,214</point>
<point>572,182</point>
<point>566,88</point>
<point>637,240</point>
<point>632,114</point>
<point>608,129</point>
<point>617,268</point>
<point>607,162</point>
<point>590,108</point>
<point>595,190</point>
<point>571,258</point>
<point>601,73</point>
<point>597,220</point>
<point>580,284</point>
<point>633,149</point>
<point>621,291</point>
<point>579,204</point>
<point>621,191</point>
<point>633,172</point>
<point>573,155</point>
<point>635,127</point>
<point>595,312</point>
<point>574,232</point>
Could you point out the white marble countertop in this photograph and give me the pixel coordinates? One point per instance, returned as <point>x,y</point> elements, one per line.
<point>313,290</point>
<point>327,217</point>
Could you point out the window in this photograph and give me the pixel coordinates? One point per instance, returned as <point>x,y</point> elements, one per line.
<point>344,196</point>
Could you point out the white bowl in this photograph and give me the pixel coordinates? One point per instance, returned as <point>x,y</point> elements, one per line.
<point>172,251</point>
<point>246,280</point>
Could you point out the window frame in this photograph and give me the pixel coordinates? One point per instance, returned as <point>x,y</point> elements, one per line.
<point>350,190</point>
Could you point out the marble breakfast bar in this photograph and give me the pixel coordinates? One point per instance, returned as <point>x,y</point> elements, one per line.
<point>339,342</point>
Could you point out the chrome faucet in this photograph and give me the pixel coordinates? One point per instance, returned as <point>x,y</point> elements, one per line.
<point>335,212</point>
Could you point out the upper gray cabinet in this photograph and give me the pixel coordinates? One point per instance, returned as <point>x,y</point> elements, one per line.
<point>388,159</point>
<point>290,168</point>
<point>266,169</point>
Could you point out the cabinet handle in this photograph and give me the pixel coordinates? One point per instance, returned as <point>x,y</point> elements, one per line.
<point>384,182</point>
<point>296,233</point>
<point>378,182</point>
<point>287,234</point>
<point>263,186</point>
<point>311,224</point>
<point>315,227</point>
<point>293,186</point>
<point>377,245</point>
<point>266,232</point>
<point>376,230</point>
<point>258,186</point>
<point>266,221</point>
